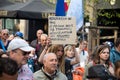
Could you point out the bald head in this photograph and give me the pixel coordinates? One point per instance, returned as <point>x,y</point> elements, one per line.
<point>50,62</point>
<point>48,55</point>
<point>44,35</point>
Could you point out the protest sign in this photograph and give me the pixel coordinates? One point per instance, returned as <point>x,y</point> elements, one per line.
<point>62,29</point>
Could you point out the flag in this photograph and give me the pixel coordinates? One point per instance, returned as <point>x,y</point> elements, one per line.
<point>60,9</point>
<point>66,6</point>
<point>76,10</point>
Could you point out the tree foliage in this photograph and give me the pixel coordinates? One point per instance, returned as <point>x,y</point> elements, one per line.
<point>106,17</point>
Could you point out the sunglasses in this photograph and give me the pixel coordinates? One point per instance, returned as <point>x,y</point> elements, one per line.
<point>25,53</point>
<point>5,34</point>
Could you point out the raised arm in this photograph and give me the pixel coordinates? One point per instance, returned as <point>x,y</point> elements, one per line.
<point>76,58</point>
<point>40,59</point>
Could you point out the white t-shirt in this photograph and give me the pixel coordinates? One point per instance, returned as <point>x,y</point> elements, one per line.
<point>25,73</point>
<point>83,57</point>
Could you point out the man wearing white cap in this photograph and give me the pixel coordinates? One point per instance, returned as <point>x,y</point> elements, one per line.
<point>19,50</point>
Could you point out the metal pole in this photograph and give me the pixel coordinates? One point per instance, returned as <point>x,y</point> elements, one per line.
<point>83,20</point>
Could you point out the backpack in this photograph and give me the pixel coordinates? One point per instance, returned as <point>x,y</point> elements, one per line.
<point>101,72</point>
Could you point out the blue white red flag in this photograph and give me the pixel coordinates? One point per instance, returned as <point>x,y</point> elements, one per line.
<point>60,8</point>
<point>76,10</point>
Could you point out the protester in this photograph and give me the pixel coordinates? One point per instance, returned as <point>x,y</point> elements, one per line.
<point>43,44</point>
<point>83,54</point>
<point>71,58</point>
<point>50,69</point>
<point>29,65</point>
<point>36,43</point>
<point>19,50</point>
<point>4,40</point>
<point>101,57</point>
<point>115,52</point>
<point>46,44</point>
<point>8,69</point>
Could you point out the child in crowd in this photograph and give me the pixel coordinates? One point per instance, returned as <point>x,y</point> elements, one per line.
<point>71,58</point>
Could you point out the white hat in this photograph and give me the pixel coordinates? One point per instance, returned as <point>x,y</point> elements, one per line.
<point>19,43</point>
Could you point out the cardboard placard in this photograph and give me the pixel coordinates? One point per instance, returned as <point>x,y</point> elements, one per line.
<point>62,29</point>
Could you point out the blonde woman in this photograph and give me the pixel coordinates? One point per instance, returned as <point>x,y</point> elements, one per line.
<point>71,58</point>
<point>59,51</point>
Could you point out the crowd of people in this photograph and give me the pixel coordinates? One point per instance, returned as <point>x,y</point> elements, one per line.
<point>41,60</point>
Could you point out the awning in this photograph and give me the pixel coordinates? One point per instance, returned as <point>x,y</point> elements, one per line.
<point>32,9</point>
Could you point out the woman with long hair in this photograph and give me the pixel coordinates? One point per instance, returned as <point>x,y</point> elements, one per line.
<point>102,56</point>
<point>59,51</point>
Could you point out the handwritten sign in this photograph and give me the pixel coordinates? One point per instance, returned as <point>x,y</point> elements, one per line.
<point>62,30</point>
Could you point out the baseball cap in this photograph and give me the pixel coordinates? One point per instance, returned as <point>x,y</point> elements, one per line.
<point>19,43</point>
<point>20,34</point>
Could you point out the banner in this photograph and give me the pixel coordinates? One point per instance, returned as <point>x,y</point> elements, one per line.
<point>76,10</point>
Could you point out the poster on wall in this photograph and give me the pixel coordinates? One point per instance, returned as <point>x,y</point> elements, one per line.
<point>62,29</point>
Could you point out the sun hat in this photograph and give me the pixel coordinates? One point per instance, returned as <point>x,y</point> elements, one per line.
<point>19,43</point>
